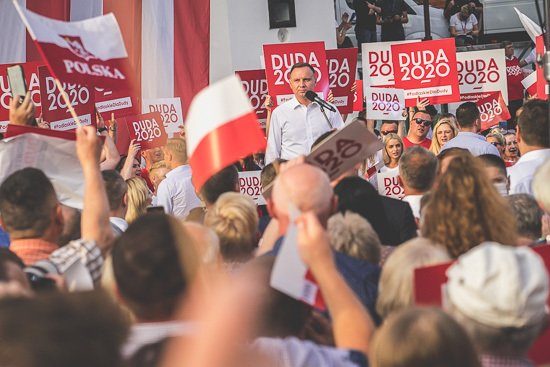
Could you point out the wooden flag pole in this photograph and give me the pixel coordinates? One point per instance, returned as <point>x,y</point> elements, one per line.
<point>67,102</point>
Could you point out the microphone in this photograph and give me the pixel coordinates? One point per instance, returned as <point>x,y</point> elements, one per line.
<point>313,97</point>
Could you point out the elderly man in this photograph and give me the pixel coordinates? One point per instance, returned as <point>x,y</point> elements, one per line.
<point>297,123</point>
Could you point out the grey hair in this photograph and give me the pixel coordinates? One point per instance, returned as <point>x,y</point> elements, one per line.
<point>528,215</point>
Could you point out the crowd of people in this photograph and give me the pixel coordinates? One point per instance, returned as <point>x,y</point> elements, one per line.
<point>169,274</point>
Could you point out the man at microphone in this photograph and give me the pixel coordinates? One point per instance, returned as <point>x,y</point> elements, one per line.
<point>297,123</point>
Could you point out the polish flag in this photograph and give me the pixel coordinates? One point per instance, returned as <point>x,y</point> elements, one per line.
<point>221,127</point>
<point>88,52</point>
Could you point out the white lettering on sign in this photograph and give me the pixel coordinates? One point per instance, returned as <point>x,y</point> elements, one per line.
<point>257,90</point>
<point>339,74</point>
<point>146,130</point>
<point>33,87</point>
<point>78,94</point>
<point>424,65</point>
<point>489,110</point>
<point>477,72</point>
<point>80,67</point>
<point>283,63</point>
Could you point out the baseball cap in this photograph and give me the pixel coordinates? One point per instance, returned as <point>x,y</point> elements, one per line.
<point>499,286</point>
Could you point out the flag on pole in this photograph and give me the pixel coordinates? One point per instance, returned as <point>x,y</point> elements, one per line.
<point>85,52</point>
<point>221,127</point>
<point>532,28</point>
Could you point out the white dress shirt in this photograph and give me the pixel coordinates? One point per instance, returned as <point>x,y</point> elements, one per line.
<point>414,202</point>
<point>521,174</point>
<point>176,192</point>
<point>473,142</point>
<point>295,127</point>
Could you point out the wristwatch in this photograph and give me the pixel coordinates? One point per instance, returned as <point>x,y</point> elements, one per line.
<point>101,129</point>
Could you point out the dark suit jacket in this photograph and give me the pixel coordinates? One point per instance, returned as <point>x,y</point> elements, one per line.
<point>401,218</point>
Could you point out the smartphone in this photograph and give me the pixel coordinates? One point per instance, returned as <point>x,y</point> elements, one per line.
<point>16,78</point>
<point>155,209</point>
<point>39,283</point>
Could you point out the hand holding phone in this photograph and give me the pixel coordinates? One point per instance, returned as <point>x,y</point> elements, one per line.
<point>16,78</point>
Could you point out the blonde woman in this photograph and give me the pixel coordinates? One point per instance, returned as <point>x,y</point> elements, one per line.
<point>139,198</point>
<point>444,130</point>
<point>393,149</point>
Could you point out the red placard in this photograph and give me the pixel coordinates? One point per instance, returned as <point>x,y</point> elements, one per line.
<point>428,283</point>
<point>118,102</point>
<point>279,58</point>
<point>492,110</point>
<point>147,130</point>
<point>358,97</point>
<point>427,70</point>
<point>542,84</point>
<point>342,65</point>
<point>55,110</point>
<point>255,84</point>
<point>15,130</point>
<point>30,69</point>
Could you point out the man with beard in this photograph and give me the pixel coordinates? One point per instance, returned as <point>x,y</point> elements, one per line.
<point>420,125</point>
<point>467,116</point>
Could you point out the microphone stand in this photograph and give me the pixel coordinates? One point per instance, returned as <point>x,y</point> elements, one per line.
<point>326,118</point>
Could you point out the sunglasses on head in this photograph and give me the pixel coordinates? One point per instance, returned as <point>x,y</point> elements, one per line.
<point>388,132</point>
<point>420,121</point>
<point>495,143</point>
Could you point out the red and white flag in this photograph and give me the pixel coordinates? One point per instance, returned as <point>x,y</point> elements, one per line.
<point>87,52</point>
<point>221,127</point>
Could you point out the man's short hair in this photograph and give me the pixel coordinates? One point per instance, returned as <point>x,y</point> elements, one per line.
<point>226,180</point>
<point>148,265</point>
<point>528,215</point>
<point>116,188</point>
<point>270,172</point>
<point>467,114</point>
<point>534,128</point>
<point>301,65</point>
<point>8,257</point>
<point>491,160</point>
<point>27,200</point>
<point>178,148</point>
<point>389,122</point>
<point>418,168</point>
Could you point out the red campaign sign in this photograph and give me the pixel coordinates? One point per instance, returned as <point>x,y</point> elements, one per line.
<point>342,65</point>
<point>428,285</point>
<point>542,84</point>
<point>358,97</point>
<point>255,84</point>
<point>30,69</point>
<point>118,102</point>
<point>147,130</point>
<point>492,110</point>
<point>427,70</point>
<point>279,58</point>
<point>55,110</point>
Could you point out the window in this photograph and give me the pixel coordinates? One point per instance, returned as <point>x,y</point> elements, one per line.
<point>282,14</point>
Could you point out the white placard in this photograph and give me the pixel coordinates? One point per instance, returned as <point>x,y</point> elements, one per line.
<point>388,184</point>
<point>170,110</point>
<point>385,103</point>
<point>251,185</point>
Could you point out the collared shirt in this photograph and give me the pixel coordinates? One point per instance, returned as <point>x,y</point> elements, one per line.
<point>488,360</point>
<point>119,225</point>
<point>295,127</point>
<point>473,142</point>
<point>521,174</point>
<point>414,202</point>
<point>31,250</point>
<point>176,192</point>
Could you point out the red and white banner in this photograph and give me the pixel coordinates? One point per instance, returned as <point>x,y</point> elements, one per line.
<point>492,110</point>
<point>427,70</point>
<point>388,184</point>
<point>255,85</point>
<point>542,84</point>
<point>343,149</point>
<point>385,103</point>
<point>90,52</point>
<point>480,73</point>
<point>221,127</point>
<point>30,70</point>
<point>250,184</point>
<point>118,103</point>
<point>147,130</point>
<point>342,68</point>
<point>377,63</point>
<point>170,110</point>
<point>55,110</point>
<point>358,97</point>
<point>279,58</point>
<point>530,84</point>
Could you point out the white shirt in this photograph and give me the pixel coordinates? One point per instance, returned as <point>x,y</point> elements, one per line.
<point>521,174</point>
<point>463,27</point>
<point>153,332</point>
<point>120,224</point>
<point>473,142</point>
<point>295,127</point>
<point>176,192</point>
<point>414,202</point>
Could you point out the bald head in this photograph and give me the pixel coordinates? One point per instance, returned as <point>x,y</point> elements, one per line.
<point>305,186</point>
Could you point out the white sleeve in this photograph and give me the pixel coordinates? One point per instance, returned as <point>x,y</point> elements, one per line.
<point>164,198</point>
<point>453,21</point>
<point>274,138</point>
<point>336,120</point>
<point>473,19</point>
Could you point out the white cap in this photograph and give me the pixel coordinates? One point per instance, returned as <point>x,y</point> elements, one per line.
<point>499,286</point>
